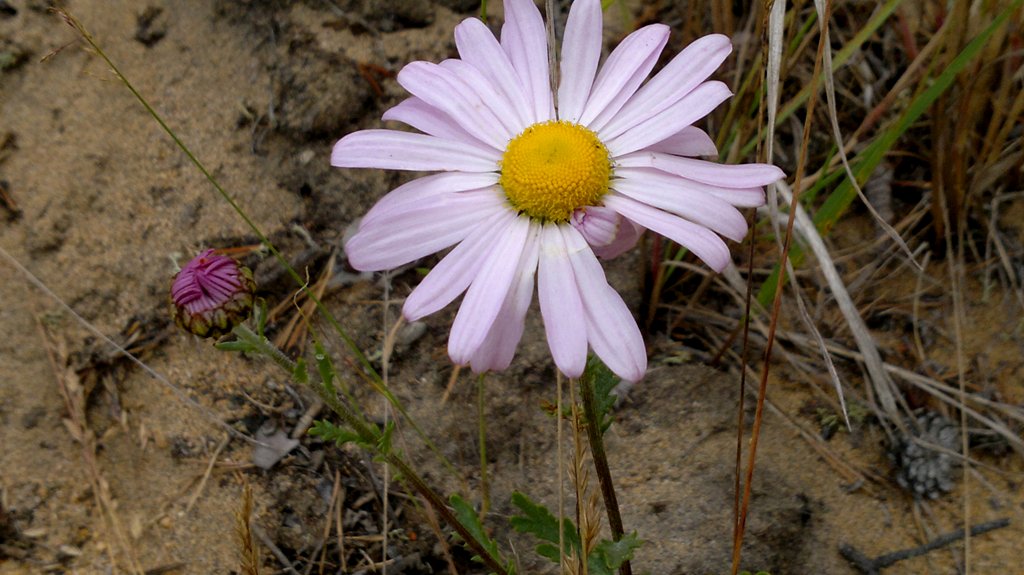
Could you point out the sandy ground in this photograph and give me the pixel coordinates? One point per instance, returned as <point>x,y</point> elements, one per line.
<point>106,204</point>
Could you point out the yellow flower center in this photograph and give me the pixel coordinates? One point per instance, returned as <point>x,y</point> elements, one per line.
<point>553,168</point>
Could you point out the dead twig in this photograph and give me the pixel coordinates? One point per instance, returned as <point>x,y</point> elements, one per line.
<point>870,566</point>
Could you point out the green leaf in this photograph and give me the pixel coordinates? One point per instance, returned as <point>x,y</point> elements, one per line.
<point>539,522</point>
<point>236,345</point>
<point>608,556</point>
<point>330,432</point>
<point>384,442</point>
<point>469,519</point>
<point>604,381</point>
<point>324,366</point>
<point>300,373</point>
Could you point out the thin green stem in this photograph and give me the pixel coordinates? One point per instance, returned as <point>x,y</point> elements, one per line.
<point>604,474</point>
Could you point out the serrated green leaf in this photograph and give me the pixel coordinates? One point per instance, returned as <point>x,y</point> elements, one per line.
<point>469,519</point>
<point>608,556</point>
<point>541,523</point>
<point>384,442</point>
<point>330,432</point>
<point>604,381</point>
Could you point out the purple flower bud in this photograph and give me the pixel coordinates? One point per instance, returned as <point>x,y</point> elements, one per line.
<point>212,294</point>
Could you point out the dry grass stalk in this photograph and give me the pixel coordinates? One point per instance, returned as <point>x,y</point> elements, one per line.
<point>248,548</point>
<point>588,517</point>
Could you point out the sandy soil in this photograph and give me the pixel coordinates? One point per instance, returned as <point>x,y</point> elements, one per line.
<point>105,206</point>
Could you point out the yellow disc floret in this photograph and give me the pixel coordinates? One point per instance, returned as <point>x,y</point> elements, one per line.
<point>553,168</point>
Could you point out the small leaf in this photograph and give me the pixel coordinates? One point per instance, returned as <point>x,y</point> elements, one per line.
<point>604,381</point>
<point>541,523</point>
<point>384,441</point>
<point>300,373</point>
<point>330,432</point>
<point>235,345</point>
<point>324,366</point>
<point>469,519</point>
<point>608,556</point>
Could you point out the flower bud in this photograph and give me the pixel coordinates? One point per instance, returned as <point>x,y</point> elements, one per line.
<point>212,294</point>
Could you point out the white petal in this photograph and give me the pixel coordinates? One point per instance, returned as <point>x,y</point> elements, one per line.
<point>560,303</point>
<point>524,40</point>
<point>623,72</point>
<point>673,194</point>
<point>724,175</point>
<point>694,106</point>
<point>581,51</point>
<point>393,150</point>
<point>684,73</point>
<point>453,274</point>
<point>444,90</point>
<point>486,295</point>
<point>429,120</point>
<point>704,243</point>
<point>498,349</point>
<point>611,328</point>
<point>425,188</point>
<point>478,47</point>
<point>690,141</point>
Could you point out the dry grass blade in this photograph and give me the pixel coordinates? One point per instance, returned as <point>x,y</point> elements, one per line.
<point>248,548</point>
<point>830,98</point>
<point>882,383</point>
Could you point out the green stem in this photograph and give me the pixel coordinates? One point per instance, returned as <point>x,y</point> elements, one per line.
<point>604,474</point>
<point>370,435</point>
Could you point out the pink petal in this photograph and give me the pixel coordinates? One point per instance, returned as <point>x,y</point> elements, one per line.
<point>608,233</point>
<point>690,141</point>
<point>429,120</point>
<point>450,93</point>
<point>499,347</point>
<point>560,303</point>
<point>425,188</point>
<point>390,149</point>
<point>478,47</point>
<point>611,329</point>
<point>623,72</point>
<point>524,40</point>
<point>724,175</point>
<point>673,194</point>
<point>581,51</point>
<point>687,70</point>
<point>419,229</point>
<point>694,106</point>
<point>486,295</point>
<point>704,243</point>
<point>453,274</point>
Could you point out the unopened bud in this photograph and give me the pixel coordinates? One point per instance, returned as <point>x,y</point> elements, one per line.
<point>212,294</point>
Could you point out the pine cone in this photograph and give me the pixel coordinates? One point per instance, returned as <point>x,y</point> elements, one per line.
<point>924,471</point>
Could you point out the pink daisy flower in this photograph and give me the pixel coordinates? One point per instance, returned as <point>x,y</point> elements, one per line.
<point>526,190</point>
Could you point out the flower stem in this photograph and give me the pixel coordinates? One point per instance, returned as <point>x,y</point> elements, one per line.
<point>604,475</point>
